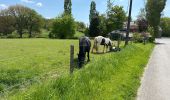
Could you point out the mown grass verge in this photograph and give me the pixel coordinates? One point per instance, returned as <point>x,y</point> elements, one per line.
<point>114,76</point>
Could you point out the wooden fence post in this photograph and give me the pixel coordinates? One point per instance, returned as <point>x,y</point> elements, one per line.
<point>71,59</point>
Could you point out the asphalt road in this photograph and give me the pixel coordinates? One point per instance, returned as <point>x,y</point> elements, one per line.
<point>156,79</point>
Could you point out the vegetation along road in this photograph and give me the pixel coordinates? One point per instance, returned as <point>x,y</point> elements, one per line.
<point>156,81</point>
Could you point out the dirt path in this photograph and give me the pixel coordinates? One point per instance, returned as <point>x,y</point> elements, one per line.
<point>156,80</point>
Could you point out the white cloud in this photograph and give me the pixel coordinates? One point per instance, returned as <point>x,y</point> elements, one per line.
<point>3,6</point>
<point>39,4</point>
<point>28,1</point>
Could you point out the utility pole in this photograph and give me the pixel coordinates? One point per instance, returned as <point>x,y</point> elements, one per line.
<point>128,25</point>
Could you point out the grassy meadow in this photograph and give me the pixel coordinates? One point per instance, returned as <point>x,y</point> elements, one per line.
<point>114,76</point>
<point>22,60</point>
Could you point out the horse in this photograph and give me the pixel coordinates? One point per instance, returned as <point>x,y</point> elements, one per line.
<point>84,47</point>
<point>100,40</point>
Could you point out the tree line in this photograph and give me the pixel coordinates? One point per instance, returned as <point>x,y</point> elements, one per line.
<point>23,20</point>
<point>20,19</point>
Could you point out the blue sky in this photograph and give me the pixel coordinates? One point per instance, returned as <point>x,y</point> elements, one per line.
<point>80,8</point>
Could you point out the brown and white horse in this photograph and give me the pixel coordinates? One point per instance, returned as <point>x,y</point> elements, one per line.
<point>100,40</point>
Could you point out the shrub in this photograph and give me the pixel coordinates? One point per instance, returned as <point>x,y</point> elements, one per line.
<point>63,27</point>
<point>151,31</point>
<point>137,37</point>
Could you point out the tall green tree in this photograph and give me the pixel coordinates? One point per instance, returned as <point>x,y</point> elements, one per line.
<point>34,22</point>
<point>94,29</point>
<point>63,27</point>
<point>92,11</point>
<point>67,7</point>
<point>116,18</point>
<point>109,7</point>
<point>20,14</point>
<point>154,9</point>
<point>102,26</point>
<point>7,23</point>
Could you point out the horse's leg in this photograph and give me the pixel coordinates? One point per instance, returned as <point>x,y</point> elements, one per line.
<point>94,47</point>
<point>97,48</point>
<point>88,57</point>
<point>104,49</point>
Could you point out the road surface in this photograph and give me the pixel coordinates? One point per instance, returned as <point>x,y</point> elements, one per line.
<point>156,79</point>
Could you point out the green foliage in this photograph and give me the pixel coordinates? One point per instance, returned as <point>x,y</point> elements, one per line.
<point>112,76</point>
<point>80,26</point>
<point>67,7</point>
<point>102,26</point>
<point>92,10</point>
<point>116,18</point>
<point>137,37</point>
<point>109,7</point>
<point>20,18</point>
<point>78,34</point>
<point>165,25</point>
<point>153,14</point>
<point>94,29</point>
<point>6,23</point>
<point>47,24</point>
<point>151,31</point>
<point>34,23</point>
<point>63,27</point>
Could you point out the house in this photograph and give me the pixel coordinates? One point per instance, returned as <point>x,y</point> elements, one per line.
<point>133,26</point>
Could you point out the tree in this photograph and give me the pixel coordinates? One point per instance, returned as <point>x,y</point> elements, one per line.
<point>153,14</point>
<point>102,25</point>
<point>34,22</point>
<point>67,6</point>
<point>94,20</point>
<point>25,19</point>
<point>165,25</point>
<point>142,21</point>
<point>116,18</point>
<point>109,7</point>
<point>94,29</point>
<point>92,10</point>
<point>6,23</point>
<point>63,27</point>
<point>47,24</point>
<point>80,26</point>
<point>20,14</point>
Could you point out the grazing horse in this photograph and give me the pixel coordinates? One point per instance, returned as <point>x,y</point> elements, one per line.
<point>100,40</point>
<point>84,46</point>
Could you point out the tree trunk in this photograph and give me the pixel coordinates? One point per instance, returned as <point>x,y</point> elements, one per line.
<point>20,33</point>
<point>30,31</point>
<point>30,34</point>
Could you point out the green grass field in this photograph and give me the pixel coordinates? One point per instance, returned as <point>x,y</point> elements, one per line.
<point>44,63</point>
<point>24,59</point>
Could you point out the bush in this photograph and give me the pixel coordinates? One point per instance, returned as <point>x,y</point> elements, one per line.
<point>137,37</point>
<point>151,31</point>
<point>63,27</point>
